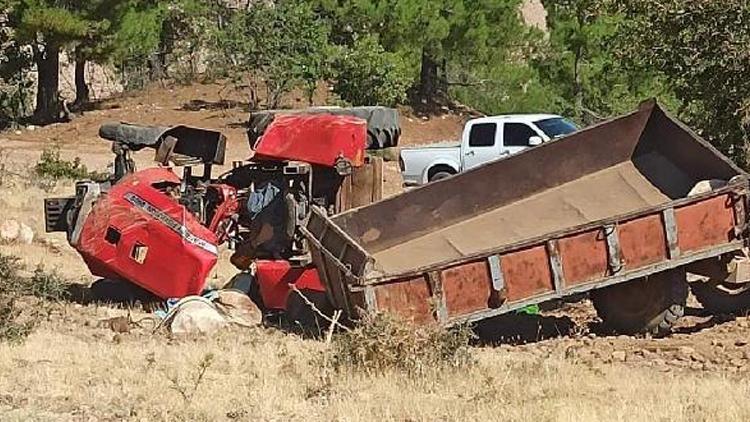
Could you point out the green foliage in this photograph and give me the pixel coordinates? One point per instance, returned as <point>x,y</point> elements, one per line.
<point>581,65</point>
<point>382,342</point>
<point>135,41</point>
<point>507,88</point>
<point>284,44</point>
<point>600,57</point>
<point>55,22</point>
<point>365,74</point>
<point>53,167</point>
<point>700,47</point>
<point>45,284</point>
<point>15,81</point>
<point>188,31</point>
<point>441,41</point>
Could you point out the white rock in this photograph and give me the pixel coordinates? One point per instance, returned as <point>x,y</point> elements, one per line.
<point>31,128</point>
<point>25,235</point>
<point>9,231</point>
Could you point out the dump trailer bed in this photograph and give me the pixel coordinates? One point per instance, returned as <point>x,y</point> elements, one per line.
<point>612,203</point>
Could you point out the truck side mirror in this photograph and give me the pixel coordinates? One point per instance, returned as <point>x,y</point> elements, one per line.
<point>535,140</point>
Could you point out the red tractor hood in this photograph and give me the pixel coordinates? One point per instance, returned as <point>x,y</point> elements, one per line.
<point>314,138</point>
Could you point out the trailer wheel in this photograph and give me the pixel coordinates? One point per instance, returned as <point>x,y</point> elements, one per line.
<point>650,305</point>
<point>302,316</point>
<point>721,298</point>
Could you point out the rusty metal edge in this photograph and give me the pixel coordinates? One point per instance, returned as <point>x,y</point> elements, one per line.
<point>739,187</point>
<point>608,281</point>
<point>331,225</point>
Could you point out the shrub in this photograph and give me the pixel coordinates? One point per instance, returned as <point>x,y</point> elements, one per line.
<point>41,283</point>
<point>365,74</point>
<point>383,342</point>
<point>10,268</point>
<point>13,327</point>
<point>52,166</point>
<point>45,284</point>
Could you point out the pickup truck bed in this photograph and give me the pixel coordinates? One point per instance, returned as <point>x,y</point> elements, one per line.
<point>603,206</point>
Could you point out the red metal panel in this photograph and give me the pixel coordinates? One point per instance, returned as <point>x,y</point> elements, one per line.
<point>467,288</point>
<point>275,277</point>
<point>704,224</point>
<point>408,298</point>
<point>138,233</point>
<point>314,138</point>
<point>526,273</point>
<point>642,241</point>
<point>584,257</point>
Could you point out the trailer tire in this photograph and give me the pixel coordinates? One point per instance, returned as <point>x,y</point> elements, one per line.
<point>720,298</point>
<point>650,305</point>
<point>302,316</point>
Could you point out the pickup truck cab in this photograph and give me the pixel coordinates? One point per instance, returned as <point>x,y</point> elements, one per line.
<point>483,140</point>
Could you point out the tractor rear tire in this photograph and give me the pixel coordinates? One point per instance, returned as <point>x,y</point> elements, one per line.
<point>650,305</point>
<point>721,298</point>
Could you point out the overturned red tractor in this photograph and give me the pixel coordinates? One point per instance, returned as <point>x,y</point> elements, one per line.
<point>162,232</point>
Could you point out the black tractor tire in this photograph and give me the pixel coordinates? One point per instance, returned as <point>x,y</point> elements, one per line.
<point>721,298</point>
<point>650,305</point>
<point>300,315</point>
<point>440,175</point>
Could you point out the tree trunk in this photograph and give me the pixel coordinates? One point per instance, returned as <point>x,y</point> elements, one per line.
<point>156,67</point>
<point>428,78</point>
<point>577,83</point>
<point>47,94</point>
<point>82,88</point>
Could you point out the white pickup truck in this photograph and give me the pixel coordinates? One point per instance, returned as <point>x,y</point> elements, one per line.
<point>484,139</point>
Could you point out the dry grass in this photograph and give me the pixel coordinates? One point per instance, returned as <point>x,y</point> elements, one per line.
<point>381,342</point>
<point>76,373</point>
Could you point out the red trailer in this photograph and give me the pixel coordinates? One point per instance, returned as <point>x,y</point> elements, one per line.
<point>622,210</point>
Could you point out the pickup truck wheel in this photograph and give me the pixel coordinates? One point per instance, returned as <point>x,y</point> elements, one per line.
<point>302,316</point>
<point>721,298</point>
<point>650,305</point>
<point>440,176</point>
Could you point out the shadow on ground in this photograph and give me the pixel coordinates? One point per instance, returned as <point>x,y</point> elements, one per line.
<point>112,292</point>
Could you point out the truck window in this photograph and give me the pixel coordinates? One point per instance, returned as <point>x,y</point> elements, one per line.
<point>482,135</point>
<point>517,134</point>
<point>556,127</point>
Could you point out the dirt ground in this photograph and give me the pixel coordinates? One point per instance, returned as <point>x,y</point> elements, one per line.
<point>561,367</point>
